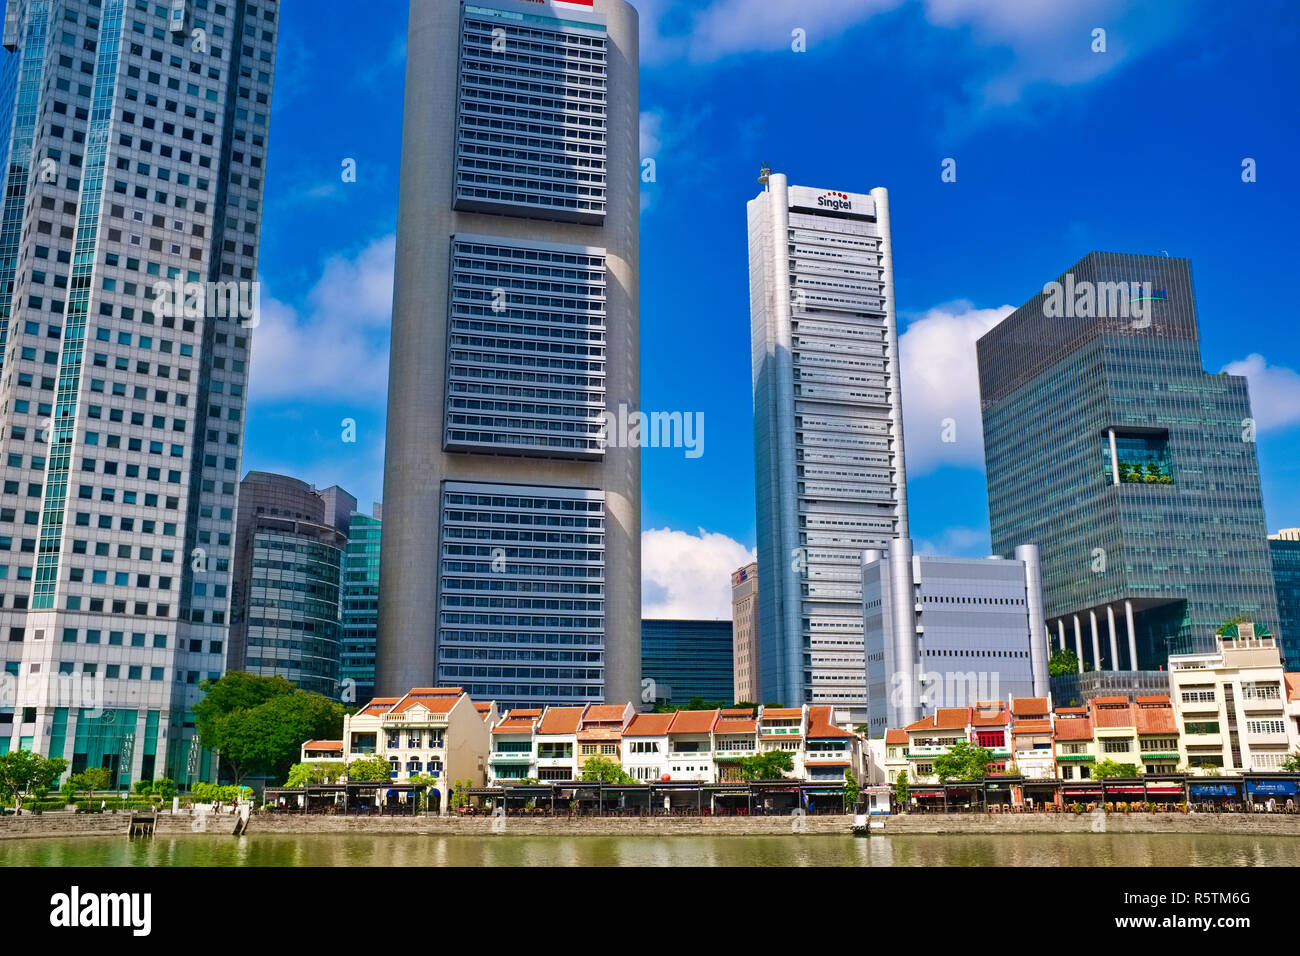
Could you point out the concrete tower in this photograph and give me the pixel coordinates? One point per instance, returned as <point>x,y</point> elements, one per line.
<point>511,547</point>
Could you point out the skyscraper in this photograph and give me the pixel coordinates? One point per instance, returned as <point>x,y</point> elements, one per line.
<point>135,146</point>
<point>285,607</point>
<point>744,627</point>
<point>686,659</point>
<point>361,602</point>
<point>828,432</point>
<point>1284,548</point>
<point>511,553</point>
<point>1133,470</point>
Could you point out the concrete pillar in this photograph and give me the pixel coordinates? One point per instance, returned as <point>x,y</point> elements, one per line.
<point>1132,636</point>
<point>1060,631</point>
<point>1114,639</point>
<point>1096,645</point>
<point>1078,642</point>
<point>1114,459</point>
<point>1040,645</point>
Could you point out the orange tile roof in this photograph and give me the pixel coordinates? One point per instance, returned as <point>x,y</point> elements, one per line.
<point>781,713</point>
<point>1073,728</point>
<point>1112,716</point>
<point>1071,710</point>
<point>484,707</point>
<point>1028,706</point>
<point>436,691</point>
<point>323,745</point>
<point>378,705</point>
<point>826,763</point>
<point>1032,727</point>
<point>821,725</point>
<point>896,737</point>
<point>600,733</point>
<point>604,713</point>
<point>984,715</point>
<point>515,725</point>
<point>525,712</point>
<point>1157,718</point>
<point>434,703</point>
<point>693,721</point>
<point>1156,699</point>
<point>649,725</point>
<point>1101,701</point>
<point>560,720</point>
<point>1292,686</point>
<point>733,726</point>
<point>737,712</point>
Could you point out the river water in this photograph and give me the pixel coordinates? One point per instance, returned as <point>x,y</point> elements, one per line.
<point>1074,849</point>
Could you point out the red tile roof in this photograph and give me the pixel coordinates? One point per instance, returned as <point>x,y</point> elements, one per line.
<point>515,725</point>
<point>378,705</point>
<point>989,715</point>
<point>896,737</point>
<point>436,691</point>
<point>737,712</point>
<point>323,745</point>
<point>1292,686</point>
<point>826,763</point>
<point>1107,715</point>
<point>1100,701</point>
<point>560,720</point>
<point>484,707</point>
<point>1072,710</point>
<point>821,725</point>
<point>693,721</point>
<point>649,725</point>
<point>433,703</point>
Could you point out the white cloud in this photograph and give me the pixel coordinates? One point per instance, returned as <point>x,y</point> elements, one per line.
<point>1274,391</point>
<point>941,383</point>
<point>955,542</point>
<point>688,577</point>
<point>336,346</point>
<point>1030,41</point>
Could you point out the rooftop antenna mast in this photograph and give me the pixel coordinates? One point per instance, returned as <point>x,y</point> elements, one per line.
<point>765,174</point>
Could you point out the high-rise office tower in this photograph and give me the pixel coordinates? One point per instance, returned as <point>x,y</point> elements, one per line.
<point>361,603</point>
<point>285,607</point>
<point>1284,549</point>
<point>511,553</point>
<point>1133,470</point>
<point>828,432</point>
<point>135,143</point>
<point>744,627</point>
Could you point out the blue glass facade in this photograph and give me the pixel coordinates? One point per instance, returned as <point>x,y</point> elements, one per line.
<point>1286,578</point>
<point>687,659</point>
<point>1134,471</point>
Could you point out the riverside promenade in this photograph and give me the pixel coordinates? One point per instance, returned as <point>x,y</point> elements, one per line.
<point>71,825</point>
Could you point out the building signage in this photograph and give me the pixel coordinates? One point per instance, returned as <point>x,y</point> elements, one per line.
<point>1272,788</point>
<point>1212,789</point>
<point>832,201</point>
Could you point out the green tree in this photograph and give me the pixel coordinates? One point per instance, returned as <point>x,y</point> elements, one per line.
<point>1108,768</point>
<point>165,787</point>
<point>424,783</point>
<point>901,792</point>
<point>851,791</point>
<point>258,724</point>
<point>1292,762</point>
<point>23,772</point>
<point>772,765</point>
<point>963,761</point>
<point>1064,661</point>
<point>603,770</point>
<point>370,769</point>
<point>90,780</point>
<point>312,774</point>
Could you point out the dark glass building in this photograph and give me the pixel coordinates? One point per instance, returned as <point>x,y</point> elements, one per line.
<point>1133,470</point>
<point>686,659</point>
<point>1285,550</point>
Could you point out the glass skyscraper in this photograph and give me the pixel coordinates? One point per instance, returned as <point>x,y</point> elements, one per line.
<point>1133,470</point>
<point>511,556</point>
<point>136,144</point>
<point>686,659</point>
<point>828,433</point>
<point>361,602</point>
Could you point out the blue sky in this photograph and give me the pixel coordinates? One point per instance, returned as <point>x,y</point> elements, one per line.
<point>1059,150</point>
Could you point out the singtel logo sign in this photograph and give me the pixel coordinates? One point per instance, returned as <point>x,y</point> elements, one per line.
<point>75,910</point>
<point>839,202</point>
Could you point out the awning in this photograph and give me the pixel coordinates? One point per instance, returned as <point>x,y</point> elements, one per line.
<point>1212,789</point>
<point>1272,788</point>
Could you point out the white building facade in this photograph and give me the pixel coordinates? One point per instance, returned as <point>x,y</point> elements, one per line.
<point>827,431</point>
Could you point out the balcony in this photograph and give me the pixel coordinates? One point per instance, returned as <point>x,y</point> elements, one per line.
<point>505,756</point>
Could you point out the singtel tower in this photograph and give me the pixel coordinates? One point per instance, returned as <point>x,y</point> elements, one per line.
<point>511,548</point>
<point>828,433</point>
